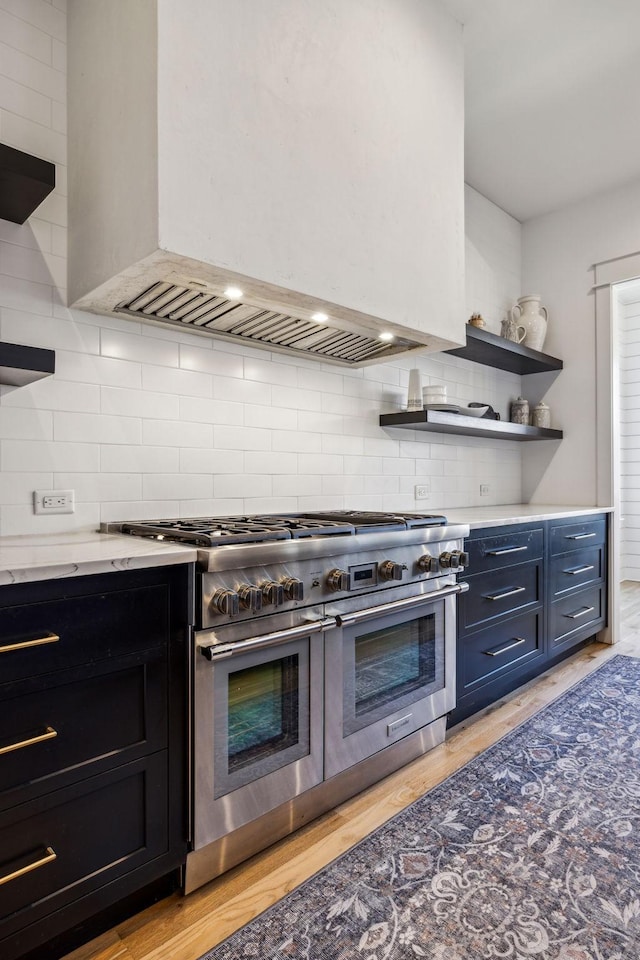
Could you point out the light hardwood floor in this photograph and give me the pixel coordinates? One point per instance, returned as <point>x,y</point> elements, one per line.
<point>183,928</point>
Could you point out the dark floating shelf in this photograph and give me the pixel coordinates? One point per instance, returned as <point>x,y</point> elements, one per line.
<point>25,181</point>
<point>494,351</point>
<point>437,421</point>
<point>21,365</point>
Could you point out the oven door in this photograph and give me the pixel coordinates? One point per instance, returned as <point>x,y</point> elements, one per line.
<point>257,724</point>
<point>389,671</point>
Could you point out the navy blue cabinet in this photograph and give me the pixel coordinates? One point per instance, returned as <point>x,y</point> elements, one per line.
<point>536,590</point>
<point>93,738</point>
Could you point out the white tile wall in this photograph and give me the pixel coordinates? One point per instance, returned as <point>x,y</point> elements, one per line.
<point>143,422</point>
<point>629,352</point>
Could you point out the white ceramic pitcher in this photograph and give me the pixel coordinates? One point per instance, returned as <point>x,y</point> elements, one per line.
<point>530,314</point>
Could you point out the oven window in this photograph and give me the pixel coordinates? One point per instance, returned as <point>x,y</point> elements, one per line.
<point>262,711</point>
<point>392,662</point>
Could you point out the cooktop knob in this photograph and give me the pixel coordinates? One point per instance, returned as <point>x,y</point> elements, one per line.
<point>389,570</point>
<point>454,560</point>
<point>273,592</point>
<point>250,597</point>
<point>293,588</point>
<point>338,580</point>
<point>226,601</point>
<point>429,564</point>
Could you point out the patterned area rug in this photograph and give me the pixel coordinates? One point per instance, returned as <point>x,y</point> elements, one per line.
<point>530,850</point>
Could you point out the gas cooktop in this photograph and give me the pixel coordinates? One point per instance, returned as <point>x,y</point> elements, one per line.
<point>258,528</point>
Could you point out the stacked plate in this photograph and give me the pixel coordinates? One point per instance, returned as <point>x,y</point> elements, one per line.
<point>434,393</point>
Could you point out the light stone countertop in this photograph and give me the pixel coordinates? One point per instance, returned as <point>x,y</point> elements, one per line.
<point>55,556</point>
<point>502,515</point>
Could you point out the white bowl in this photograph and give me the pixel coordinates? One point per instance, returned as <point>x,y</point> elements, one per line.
<point>474,411</point>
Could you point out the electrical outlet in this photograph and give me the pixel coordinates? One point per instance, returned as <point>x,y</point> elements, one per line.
<point>422,491</point>
<point>484,489</point>
<point>53,501</point>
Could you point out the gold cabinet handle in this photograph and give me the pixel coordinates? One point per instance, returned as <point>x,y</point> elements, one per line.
<point>23,644</point>
<point>49,857</point>
<point>516,642</point>
<point>49,734</point>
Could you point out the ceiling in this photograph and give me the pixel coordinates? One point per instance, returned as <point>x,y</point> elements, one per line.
<point>552,99</point>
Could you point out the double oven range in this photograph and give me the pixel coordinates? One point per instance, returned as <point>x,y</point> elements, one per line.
<point>324,659</point>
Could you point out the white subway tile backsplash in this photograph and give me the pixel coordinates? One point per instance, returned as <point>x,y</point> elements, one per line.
<point>120,401</point>
<point>241,391</point>
<point>272,463</point>
<point>19,326</point>
<point>193,460</point>
<point>43,456</point>
<point>228,486</point>
<point>88,428</point>
<point>146,421</point>
<point>177,486</point>
<point>211,411</point>
<point>132,346</point>
<point>241,438</point>
<point>177,433</point>
<point>184,382</point>
<point>23,423</point>
<point>200,356</point>
<point>123,459</point>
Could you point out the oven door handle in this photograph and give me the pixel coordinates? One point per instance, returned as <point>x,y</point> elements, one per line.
<point>219,651</point>
<point>399,605</point>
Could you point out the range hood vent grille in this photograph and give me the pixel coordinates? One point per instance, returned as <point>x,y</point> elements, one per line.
<point>190,308</point>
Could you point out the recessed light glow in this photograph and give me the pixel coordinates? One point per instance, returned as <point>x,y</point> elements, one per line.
<point>233,293</point>
<point>319,317</point>
<point>386,336</point>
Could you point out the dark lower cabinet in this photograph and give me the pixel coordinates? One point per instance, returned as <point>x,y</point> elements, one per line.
<point>93,762</point>
<point>536,591</point>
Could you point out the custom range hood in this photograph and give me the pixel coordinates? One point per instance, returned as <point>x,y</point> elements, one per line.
<point>280,172</point>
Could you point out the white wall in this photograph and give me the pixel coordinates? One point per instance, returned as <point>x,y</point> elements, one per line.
<point>558,253</point>
<point>629,345</point>
<point>143,422</point>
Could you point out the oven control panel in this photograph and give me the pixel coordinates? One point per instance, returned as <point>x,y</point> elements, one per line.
<point>254,591</point>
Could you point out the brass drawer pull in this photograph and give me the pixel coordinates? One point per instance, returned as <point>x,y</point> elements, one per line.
<point>516,642</point>
<point>500,553</point>
<point>36,642</point>
<point>580,613</point>
<point>49,857</point>
<point>579,536</point>
<point>576,570</point>
<point>506,593</point>
<point>48,734</point>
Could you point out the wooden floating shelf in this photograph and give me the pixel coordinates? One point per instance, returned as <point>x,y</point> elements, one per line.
<point>20,365</point>
<point>494,351</point>
<point>438,421</point>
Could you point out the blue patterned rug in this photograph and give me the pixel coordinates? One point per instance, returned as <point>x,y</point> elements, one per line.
<point>531,850</point>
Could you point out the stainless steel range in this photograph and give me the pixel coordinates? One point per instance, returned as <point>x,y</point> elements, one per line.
<point>324,660</point>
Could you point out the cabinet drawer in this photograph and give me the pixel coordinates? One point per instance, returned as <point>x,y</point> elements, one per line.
<point>588,532</point>
<point>576,569</point>
<point>504,550</point>
<point>37,638</point>
<point>49,737</point>
<point>49,847</point>
<point>500,593</point>
<point>499,649</point>
<point>575,612</point>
